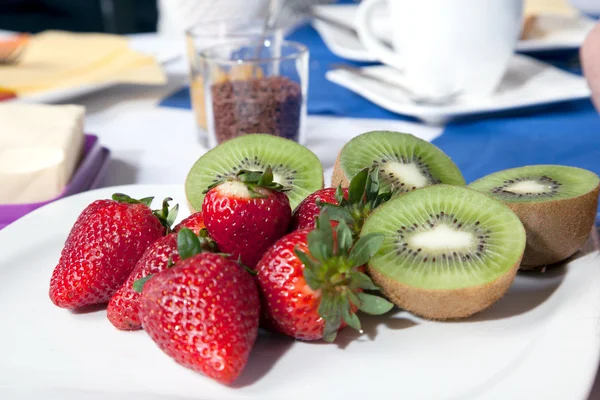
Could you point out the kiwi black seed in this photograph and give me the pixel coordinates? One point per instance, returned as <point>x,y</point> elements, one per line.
<point>405,162</point>
<point>448,252</point>
<point>293,166</point>
<point>557,205</point>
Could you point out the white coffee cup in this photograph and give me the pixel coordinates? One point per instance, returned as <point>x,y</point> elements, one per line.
<point>446,46</point>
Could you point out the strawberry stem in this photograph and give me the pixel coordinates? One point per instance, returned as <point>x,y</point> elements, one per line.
<point>165,215</point>
<point>332,265</point>
<point>253,180</point>
<point>363,198</point>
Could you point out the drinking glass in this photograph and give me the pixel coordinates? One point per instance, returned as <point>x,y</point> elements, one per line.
<point>209,34</point>
<point>255,87</point>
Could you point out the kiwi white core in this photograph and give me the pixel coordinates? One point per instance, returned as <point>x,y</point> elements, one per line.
<point>442,239</point>
<point>234,188</point>
<point>530,186</point>
<point>410,174</point>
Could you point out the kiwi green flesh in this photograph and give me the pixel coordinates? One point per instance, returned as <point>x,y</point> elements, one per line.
<point>445,237</point>
<point>537,183</point>
<point>293,165</point>
<point>405,161</point>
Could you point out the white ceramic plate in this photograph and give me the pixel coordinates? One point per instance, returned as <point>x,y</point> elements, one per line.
<point>551,33</point>
<point>527,82</point>
<point>541,341</point>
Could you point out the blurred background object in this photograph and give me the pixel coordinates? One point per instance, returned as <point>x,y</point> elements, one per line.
<point>112,16</point>
<point>590,7</point>
<point>168,17</point>
<point>177,16</point>
<point>590,62</point>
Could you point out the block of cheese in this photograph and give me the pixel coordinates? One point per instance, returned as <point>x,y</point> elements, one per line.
<point>40,148</point>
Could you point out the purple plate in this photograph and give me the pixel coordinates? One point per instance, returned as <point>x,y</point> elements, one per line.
<point>94,162</point>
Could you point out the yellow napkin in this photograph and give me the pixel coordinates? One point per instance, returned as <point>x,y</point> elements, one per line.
<point>59,60</point>
<point>536,8</point>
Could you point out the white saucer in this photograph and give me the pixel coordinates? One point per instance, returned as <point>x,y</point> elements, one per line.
<point>550,33</point>
<point>527,82</point>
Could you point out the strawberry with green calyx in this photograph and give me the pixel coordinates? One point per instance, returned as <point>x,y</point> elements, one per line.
<point>246,214</point>
<point>103,247</point>
<point>203,312</point>
<point>165,215</point>
<point>312,281</point>
<point>308,210</point>
<point>362,199</point>
<point>123,307</point>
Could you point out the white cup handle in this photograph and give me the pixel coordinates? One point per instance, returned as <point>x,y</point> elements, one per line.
<point>368,38</point>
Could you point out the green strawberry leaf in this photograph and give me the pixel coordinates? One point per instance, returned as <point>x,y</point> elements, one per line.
<point>332,325</point>
<point>344,237</point>
<point>372,184</point>
<point>316,245</point>
<point>309,269</point>
<point>353,298</point>
<point>336,213</point>
<point>253,179</point>
<point>364,248</point>
<point>147,201</point>
<point>123,198</point>
<point>323,225</point>
<point>373,305</point>
<point>339,194</point>
<point>356,189</point>
<point>329,310</point>
<point>311,278</point>
<point>172,215</point>
<point>360,280</point>
<point>382,198</point>
<point>249,176</point>
<point>351,319</point>
<point>188,244</point>
<point>266,178</point>
<point>138,285</point>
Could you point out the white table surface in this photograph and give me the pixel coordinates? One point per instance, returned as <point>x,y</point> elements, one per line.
<point>152,144</point>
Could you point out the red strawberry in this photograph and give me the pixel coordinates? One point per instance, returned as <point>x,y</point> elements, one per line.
<point>247,214</point>
<point>306,212</point>
<point>312,282</point>
<point>104,244</point>
<point>123,307</point>
<point>203,312</point>
<point>194,222</point>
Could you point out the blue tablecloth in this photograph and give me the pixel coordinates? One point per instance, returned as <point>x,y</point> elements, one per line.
<point>566,133</point>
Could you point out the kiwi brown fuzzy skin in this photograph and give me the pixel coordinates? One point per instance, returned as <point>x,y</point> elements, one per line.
<point>338,177</point>
<point>556,229</point>
<point>444,304</point>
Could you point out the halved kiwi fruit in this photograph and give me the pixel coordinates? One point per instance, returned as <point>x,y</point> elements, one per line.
<point>449,251</point>
<point>557,205</point>
<point>405,162</point>
<point>293,165</point>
